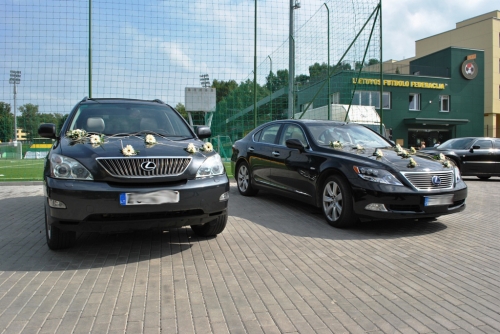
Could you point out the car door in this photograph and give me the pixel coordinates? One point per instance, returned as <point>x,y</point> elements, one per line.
<point>479,158</point>
<point>291,170</point>
<point>260,154</point>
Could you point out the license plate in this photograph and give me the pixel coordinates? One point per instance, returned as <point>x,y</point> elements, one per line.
<point>438,200</point>
<point>157,197</point>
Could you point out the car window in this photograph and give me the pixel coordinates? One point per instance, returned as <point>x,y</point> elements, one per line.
<point>269,134</point>
<point>126,118</point>
<point>292,131</point>
<point>497,143</point>
<point>483,143</point>
<point>350,134</point>
<point>457,144</point>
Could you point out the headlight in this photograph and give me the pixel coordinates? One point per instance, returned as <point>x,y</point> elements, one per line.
<point>458,176</point>
<point>62,167</point>
<point>376,175</point>
<point>211,166</point>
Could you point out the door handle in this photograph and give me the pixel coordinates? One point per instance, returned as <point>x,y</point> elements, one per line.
<point>250,149</point>
<point>276,153</point>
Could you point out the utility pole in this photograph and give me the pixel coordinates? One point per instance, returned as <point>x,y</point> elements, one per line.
<point>294,4</point>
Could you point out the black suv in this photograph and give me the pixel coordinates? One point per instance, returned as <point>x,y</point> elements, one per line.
<point>123,165</point>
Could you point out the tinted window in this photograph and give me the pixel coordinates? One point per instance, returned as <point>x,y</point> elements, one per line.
<point>269,134</point>
<point>483,143</point>
<point>497,143</point>
<point>116,118</point>
<point>292,131</point>
<point>457,144</point>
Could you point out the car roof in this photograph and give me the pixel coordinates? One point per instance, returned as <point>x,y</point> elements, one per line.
<point>115,100</point>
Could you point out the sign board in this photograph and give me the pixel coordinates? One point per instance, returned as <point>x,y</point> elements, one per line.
<point>200,99</point>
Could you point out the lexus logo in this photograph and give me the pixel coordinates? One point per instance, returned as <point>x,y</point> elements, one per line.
<point>436,180</point>
<point>148,166</point>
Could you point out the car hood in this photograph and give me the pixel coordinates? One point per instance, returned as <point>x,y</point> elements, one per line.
<point>394,160</point>
<point>87,154</point>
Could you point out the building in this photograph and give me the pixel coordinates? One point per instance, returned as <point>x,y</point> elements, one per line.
<point>480,32</point>
<point>434,98</point>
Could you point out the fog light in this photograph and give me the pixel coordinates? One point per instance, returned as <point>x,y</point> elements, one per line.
<point>224,197</point>
<point>376,207</point>
<point>56,204</point>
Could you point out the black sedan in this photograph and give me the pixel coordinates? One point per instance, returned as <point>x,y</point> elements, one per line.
<point>347,170</point>
<point>123,165</point>
<point>475,156</point>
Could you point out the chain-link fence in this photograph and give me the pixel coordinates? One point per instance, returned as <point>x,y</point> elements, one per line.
<point>266,59</point>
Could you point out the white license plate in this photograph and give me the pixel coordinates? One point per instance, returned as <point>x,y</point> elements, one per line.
<point>438,200</point>
<point>157,197</point>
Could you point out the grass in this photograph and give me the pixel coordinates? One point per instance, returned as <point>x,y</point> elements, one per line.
<point>32,170</point>
<point>21,170</point>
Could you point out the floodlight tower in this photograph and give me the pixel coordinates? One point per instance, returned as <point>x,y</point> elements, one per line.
<point>204,80</point>
<point>15,78</point>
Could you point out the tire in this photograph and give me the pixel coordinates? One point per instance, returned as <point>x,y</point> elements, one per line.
<point>211,228</point>
<point>57,238</point>
<point>484,177</point>
<point>244,180</point>
<point>337,202</point>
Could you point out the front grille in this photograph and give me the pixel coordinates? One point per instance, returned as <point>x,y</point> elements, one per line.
<point>423,180</point>
<point>142,167</point>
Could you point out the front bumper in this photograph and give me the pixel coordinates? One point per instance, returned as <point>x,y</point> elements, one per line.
<point>95,206</point>
<point>406,205</point>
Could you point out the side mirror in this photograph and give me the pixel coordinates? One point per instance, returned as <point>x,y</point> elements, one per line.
<point>47,130</point>
<point>295,144</point>
<point>475,147</point>
<point>203,132</point>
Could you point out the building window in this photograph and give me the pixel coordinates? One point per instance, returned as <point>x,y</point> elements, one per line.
<point>445,102</point>
<point>414,101</point>
<point>367,98</point>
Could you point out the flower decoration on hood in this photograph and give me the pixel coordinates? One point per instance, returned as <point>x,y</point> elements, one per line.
<point>150,139</point>
<point>398,148</point>
<point>413,150</point>
<point>359,147</point>
<point>412,163</point>
<point>191,148</point>
<point>440,157</point>
<point>404,154</point>
<point>336,145</point>
<point>378,153</point>
<point>96,140</point>
<point>207,147</point>
<point>76,134</point>
<point>447,164</point>
<point>129,151</point>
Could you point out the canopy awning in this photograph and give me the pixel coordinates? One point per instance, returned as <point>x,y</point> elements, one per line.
<point>436,121</point>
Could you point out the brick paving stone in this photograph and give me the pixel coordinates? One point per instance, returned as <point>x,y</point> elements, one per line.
<point>277,268</point>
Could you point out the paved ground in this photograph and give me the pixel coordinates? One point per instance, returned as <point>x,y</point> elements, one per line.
<point>277,268</point>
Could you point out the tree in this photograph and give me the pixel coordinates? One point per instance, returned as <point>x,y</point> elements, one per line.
<point>182,110</point>
<point>6,123</point>
<point>29,120</point>
<point>224,88</point>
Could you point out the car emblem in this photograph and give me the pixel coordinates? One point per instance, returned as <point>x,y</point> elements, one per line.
<point>148,166</point>
<point>436,180</point>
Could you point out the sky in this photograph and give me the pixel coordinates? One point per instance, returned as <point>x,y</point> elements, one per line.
<point>154,49</point>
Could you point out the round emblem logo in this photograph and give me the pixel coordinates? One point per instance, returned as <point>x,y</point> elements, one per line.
<point>436,180</point>
<point>469,69</point>
<point>148,166</point>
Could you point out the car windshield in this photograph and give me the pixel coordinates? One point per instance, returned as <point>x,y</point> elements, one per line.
<point>456,144</point>
<point>128,118</point>
<point>324,133</point>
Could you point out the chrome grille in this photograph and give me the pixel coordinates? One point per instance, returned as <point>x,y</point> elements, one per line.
<point>423,180</point>
<point>131,167</point>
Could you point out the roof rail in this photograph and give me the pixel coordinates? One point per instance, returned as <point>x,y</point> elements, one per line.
<point>158,101</point>
<point>85,98</point>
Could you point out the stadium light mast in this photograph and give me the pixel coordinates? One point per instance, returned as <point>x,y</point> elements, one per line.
<point>204,80</point>
<point>15,78</point>
<point>294,4</point>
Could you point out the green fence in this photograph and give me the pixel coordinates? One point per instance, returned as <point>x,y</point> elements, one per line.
<point>263,57</point>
